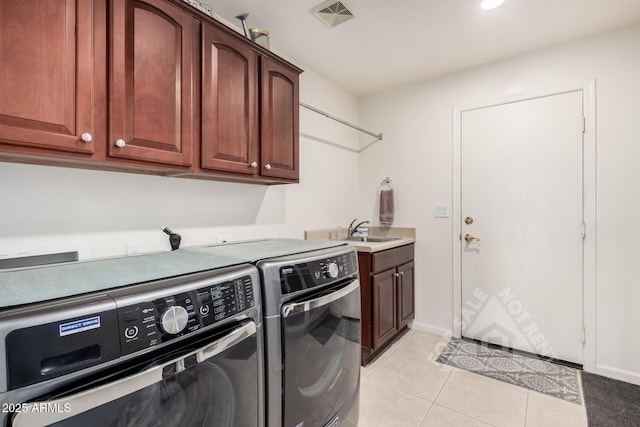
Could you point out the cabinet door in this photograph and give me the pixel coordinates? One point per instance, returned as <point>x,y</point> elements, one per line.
<point>152,82</point>
<point>229,104</point>
<point>279,113</point>
<point>385,318</point>
<point>47,96</point>
<point>406,294</point>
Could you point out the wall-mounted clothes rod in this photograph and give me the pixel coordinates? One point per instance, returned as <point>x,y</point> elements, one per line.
<point>377,136</point>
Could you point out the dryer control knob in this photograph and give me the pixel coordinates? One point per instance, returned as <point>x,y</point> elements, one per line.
<point>331,270</point>
<point>174,319</point>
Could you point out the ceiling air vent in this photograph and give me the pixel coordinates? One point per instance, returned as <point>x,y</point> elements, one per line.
<point>332,12</point>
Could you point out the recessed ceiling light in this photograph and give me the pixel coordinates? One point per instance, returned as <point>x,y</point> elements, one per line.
<point>491,4</point>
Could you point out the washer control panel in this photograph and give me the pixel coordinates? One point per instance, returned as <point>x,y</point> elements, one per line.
<point>150,323</point>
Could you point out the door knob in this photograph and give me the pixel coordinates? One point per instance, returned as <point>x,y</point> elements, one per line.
<point>470,238</point>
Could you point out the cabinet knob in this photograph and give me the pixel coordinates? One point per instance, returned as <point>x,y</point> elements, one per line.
<point>86,137</point>
<point>254,164</point>
<point>267,166</point>
<point>120,143</point>
<point>397,274</point>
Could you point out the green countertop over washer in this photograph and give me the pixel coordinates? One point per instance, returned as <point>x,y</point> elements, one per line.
<point>51,282</point>
<point>30,285</point>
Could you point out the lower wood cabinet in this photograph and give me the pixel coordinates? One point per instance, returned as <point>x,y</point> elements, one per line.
<point>387,295</point>
<point>406,294</point>
<point>385,303</point>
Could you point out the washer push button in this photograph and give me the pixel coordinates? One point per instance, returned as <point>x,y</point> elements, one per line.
<point>138,328</point>
<point>204,310</point>
<point>131,333</point>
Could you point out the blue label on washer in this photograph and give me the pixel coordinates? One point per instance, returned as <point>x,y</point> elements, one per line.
<point>79,326</point>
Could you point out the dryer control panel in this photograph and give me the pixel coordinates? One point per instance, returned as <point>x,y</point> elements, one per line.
<point>319,272</point>
<point>150,323</point>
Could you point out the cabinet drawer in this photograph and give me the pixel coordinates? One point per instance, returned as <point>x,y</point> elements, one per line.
<point>381,261</point>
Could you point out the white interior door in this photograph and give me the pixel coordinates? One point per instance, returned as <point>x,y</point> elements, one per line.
<point>522,197</point>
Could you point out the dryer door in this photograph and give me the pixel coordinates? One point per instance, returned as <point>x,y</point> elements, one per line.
<point>217,383</point>
<point>321,345</point>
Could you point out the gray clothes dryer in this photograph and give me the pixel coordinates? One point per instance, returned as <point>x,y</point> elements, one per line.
<point>311,305</point>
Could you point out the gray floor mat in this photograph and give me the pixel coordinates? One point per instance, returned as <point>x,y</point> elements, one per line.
<point>524,371</point>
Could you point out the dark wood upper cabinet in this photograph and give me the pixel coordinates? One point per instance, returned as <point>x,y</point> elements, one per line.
<point>230,132</point>
<point>148,86</point>
<point>47,79</point>
<point>152,104</point>
<point>279,121</point>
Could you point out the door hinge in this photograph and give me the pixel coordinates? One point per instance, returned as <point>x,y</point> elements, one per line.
<point>584,124</point>
<point>583,230</point>
<point>584,335</point>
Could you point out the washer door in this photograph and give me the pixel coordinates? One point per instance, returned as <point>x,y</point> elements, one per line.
<point>215,385</point>
<point>321,340</point>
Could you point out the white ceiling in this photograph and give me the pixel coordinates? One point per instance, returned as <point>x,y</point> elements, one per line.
<point>390,43</point>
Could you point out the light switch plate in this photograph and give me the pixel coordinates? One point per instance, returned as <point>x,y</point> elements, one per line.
<point>442,210</point>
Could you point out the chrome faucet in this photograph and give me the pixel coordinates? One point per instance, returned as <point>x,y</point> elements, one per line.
<point>353,229</point>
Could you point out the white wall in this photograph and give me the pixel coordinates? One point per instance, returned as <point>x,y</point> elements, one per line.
<point>417,154</point>
<point>44,209</point>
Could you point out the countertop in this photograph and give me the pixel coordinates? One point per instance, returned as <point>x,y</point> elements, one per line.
<point>37,284</point>
<point>404,235</point>
<point>44,283</point>
<point>262,249</point>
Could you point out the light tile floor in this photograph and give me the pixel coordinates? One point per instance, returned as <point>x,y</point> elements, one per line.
<point>406,387</point>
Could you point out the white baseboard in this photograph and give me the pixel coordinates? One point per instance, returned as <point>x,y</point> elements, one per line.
<point>618,374</point>
<point>434,330</point>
